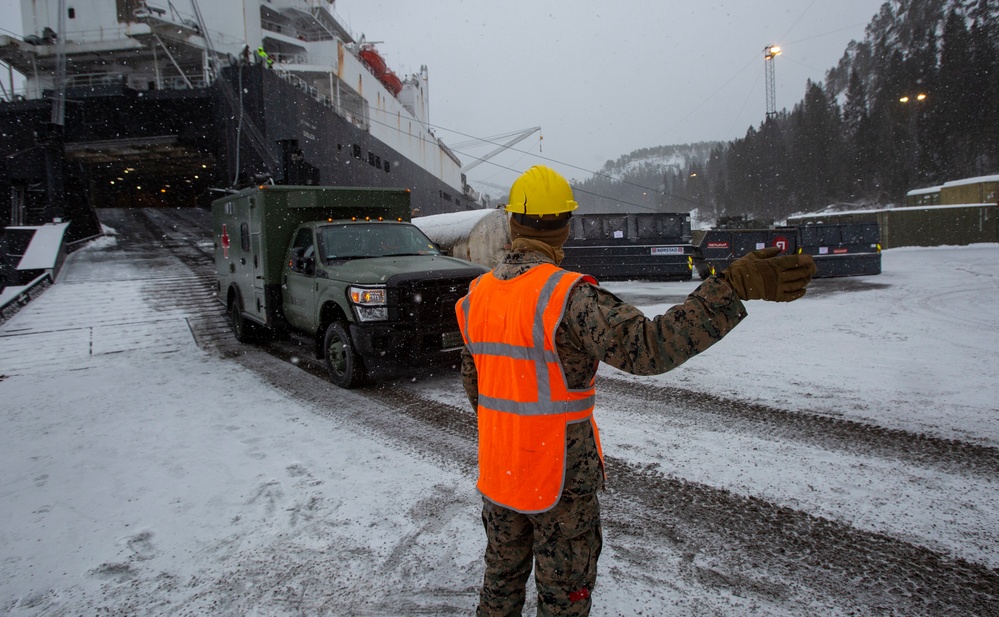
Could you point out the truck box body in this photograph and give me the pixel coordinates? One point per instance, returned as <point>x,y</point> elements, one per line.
<point>344,267</point>
<point>650,246</point>
<point>843,249</point>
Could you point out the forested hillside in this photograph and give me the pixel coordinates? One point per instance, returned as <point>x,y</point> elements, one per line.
<point>864,136</point>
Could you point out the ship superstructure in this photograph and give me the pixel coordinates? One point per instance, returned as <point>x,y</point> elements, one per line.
<point>161,102</point>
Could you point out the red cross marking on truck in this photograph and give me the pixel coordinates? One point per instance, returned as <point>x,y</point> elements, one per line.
<point>225,242</point>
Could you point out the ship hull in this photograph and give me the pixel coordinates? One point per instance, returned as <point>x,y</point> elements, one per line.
<point>296,138</point>
<point>177,148</point>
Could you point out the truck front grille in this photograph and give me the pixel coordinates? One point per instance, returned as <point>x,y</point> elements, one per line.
<point>428,304</point>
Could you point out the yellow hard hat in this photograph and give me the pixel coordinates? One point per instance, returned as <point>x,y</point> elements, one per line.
<point>539,191</point>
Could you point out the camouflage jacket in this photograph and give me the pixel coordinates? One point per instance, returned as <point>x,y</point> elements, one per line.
<point>597,327</point>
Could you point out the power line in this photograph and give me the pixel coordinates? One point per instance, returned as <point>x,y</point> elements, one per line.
<point>807,8</point>
<point>595,173</point>
<point>708,98</point>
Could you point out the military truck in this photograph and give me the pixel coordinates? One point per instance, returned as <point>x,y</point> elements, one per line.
<point>344,267</point>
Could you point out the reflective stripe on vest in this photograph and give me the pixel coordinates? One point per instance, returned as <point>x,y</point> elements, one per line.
<point>528,475</point>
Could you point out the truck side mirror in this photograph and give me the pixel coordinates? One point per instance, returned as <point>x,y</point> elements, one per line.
<point>299,263</point>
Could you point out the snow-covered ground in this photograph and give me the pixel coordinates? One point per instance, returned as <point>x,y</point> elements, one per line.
<point>144,475</point>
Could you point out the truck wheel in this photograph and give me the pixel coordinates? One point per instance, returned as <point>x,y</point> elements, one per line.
<point>344,365</point>
<point>243,329</point>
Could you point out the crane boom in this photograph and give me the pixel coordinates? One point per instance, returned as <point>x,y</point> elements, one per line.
<point>517,138</point>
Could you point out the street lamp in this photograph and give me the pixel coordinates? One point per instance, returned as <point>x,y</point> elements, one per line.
<point>915,99</point>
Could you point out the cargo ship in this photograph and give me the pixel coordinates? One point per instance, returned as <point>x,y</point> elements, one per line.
<point>135,103</point>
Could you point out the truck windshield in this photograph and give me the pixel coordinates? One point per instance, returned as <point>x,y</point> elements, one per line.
<point>364,240</point>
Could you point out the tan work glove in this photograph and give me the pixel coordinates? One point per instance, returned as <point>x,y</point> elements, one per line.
<point>762,275</point>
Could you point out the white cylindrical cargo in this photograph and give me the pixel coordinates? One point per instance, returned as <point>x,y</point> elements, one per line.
<point>478,236</point>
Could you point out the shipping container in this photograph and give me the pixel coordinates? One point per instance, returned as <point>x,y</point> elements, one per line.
<point>716,249</point>
<point>646,246</point>
<point>842,249</point>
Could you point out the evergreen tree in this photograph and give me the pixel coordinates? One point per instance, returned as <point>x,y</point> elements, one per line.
<point>817,148</point>
<point>985,86</point>
<point>857,143</point>
<point>952,105</point>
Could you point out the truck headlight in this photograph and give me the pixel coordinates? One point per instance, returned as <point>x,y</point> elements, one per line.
<point>369,303</point>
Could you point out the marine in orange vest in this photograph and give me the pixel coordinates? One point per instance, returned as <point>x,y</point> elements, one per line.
<point>534,335</point>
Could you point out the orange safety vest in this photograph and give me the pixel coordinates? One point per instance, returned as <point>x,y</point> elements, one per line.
<point>524,401</point>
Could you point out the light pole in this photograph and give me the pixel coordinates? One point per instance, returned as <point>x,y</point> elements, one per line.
<point>769,53</point>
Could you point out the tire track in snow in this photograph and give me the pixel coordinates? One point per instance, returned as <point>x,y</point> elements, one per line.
<point>778,424</point>
<point>724,541</point>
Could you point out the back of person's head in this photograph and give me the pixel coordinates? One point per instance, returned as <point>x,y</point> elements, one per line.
<point>540,206</point>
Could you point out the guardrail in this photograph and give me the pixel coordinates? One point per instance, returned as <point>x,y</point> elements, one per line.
<point>10,304</point>
<point>29,292</point>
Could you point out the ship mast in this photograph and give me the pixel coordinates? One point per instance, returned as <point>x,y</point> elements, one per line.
<point>58,117</point>
<point>53,144</point>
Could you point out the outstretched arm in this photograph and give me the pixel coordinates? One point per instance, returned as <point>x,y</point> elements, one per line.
<point>610,330</point>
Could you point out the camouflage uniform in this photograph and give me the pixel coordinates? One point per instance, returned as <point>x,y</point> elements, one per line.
<point>566,540</point>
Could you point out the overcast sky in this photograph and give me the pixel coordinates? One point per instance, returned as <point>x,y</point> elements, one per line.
<point>604,78</point>
<point>600,78</point>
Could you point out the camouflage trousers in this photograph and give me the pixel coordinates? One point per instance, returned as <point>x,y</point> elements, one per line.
<point>563,544</point>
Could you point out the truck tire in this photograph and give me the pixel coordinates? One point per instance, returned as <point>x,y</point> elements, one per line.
<point>345,367</point>
<point>243,329</point>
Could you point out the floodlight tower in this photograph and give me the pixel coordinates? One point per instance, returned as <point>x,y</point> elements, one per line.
<point>769,53</point>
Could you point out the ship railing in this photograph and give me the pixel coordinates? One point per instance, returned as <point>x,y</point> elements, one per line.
<point>11,92</point>
<point>95,80</point>
<point>290,58</point>
<point>179,83</point>
<point>103,80</point>
<point>303,35</point>
<point>321,97</point>
<point>98,35</point>
<point>321,10</point>
<point>275,26</point>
